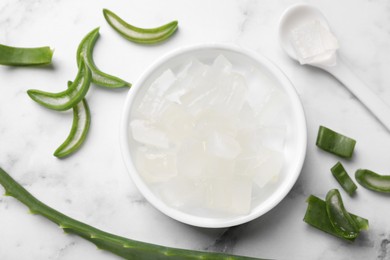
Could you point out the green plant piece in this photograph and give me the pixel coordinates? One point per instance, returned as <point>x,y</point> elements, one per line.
<point>126,248</point>
<point>317,216</point>
<point>373,181</point>
<point>15,56</point>
<point>335,143</point>
<point>343,178</point>
<point>85,52</point>
<point>341,220</point>
<point>140,35</point>
<point>79,130</point>
<point>66,99</point>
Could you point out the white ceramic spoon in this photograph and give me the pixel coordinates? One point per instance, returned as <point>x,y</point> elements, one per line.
<point>302,14</point>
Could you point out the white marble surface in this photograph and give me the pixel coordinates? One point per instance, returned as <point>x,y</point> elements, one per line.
<point>93,185</point>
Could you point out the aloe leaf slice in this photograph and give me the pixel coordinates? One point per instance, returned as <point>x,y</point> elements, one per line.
<point>140,35</point>
<point>66,99</point>
<point>316,215</point>
<point>341,220</point>
<point>17,56</point>
<point>343,178</point>
<point>85,52</point>
<point>373,181</point>
<point>335,143</point>
<point>79,130</point>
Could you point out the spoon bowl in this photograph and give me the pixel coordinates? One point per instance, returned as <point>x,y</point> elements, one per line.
<point>294,17</point>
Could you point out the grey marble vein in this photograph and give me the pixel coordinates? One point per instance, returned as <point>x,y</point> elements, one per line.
<point>226,242</point>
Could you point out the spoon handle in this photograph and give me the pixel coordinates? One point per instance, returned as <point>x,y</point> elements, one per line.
<point>373,103</point>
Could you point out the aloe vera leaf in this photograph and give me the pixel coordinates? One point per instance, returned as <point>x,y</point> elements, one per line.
<point>336,143</point>
<point>85,52</point>
<point>343,178</point>
<point>66,99</point>
<point>16,56</point>
<point>79,130</point>
<point>124,247</point>
<point>316,215</point>
<point>373,181</point>
<point>140,35</point>
<point>341,220</point>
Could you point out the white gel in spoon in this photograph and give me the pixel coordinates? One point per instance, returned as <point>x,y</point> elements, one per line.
<point>314,44</point>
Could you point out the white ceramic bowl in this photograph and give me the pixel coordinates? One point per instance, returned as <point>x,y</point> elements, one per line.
<point>242,60</point>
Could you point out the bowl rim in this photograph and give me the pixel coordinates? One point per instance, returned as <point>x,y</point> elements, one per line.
<point>197,220</point>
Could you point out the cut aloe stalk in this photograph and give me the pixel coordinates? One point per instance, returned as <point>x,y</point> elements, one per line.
<point>341,220</point>
<point>85,52</point>
<point>317,216</point>
<point>140,35</point>
<point>16,56</point>
<point>373,181</point>
<point>66,99</point>
<point>343,178</point>
<point>79,130</point>
<point>335,143</point>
